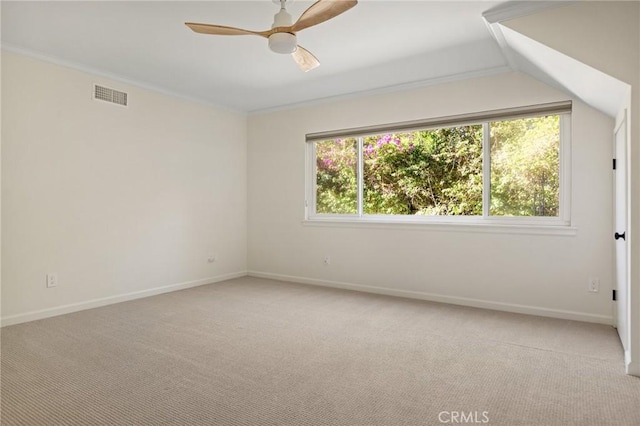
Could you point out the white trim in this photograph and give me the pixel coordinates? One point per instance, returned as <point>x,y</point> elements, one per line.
<point>632,368</point>
<point>511,10</point>
<point>496,31</point>
<point>117,78</point>
<point>455,300</point>
<point>621,119</point>
<point>388,89</point>
<point>614,273</point>
<point>359,177</point>
<point>103,301</point>
<point>443,226</point>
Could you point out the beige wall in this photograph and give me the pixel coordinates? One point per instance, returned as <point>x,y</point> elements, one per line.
<point>114,200</point>
<point>543,274</point>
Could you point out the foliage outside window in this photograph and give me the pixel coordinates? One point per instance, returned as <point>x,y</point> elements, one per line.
<point>337,176</point>
<point>525,167</point>
<point>502,168</point>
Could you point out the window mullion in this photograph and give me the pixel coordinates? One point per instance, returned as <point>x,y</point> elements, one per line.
<point>486,169</point>
<point>360,176</point>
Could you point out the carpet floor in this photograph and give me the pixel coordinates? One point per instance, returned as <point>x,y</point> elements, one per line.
<point>252,351</point>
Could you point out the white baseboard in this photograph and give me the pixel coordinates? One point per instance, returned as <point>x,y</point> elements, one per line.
<point>95,303</point>
<point>632,368</point>
<point>464,301</point>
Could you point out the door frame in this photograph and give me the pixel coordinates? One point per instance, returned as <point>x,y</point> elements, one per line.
<point>622,121</point>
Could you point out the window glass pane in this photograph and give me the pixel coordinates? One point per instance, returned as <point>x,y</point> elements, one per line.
<point>525,167</point>
<point>430,172</point>
<point>336,176</point>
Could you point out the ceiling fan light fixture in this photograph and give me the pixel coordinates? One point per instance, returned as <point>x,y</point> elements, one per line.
<point>282,35</point>
<point>283,42</point>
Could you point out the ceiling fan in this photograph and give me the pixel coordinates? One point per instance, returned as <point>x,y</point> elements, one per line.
<point>282,35</point>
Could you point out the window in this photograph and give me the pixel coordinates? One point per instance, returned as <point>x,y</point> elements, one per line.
<point>497,167</point>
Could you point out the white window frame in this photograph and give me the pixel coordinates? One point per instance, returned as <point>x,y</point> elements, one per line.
<point>560,224</point>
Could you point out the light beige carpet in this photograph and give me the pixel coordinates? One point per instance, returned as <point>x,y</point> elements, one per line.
<point>260,352</point>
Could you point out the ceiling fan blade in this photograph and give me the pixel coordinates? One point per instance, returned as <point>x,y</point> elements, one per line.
<point>222,30</point>
<point>322,11</point>
<point>305,59</point>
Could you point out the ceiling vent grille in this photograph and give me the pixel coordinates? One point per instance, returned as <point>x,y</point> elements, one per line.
<point>109,95</point>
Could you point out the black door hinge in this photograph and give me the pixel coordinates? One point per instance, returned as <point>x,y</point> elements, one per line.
<point>614,164</point>
<point>614,295</point>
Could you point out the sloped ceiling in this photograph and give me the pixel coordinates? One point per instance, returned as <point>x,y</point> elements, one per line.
<point>559,65</point>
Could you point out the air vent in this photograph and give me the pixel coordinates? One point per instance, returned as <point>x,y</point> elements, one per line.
<point>109,95</point>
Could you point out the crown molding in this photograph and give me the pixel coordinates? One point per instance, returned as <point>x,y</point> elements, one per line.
<point>115,77</point>
<point>388,89</point>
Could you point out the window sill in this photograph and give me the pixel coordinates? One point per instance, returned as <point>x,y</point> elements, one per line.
<point>445,226</point>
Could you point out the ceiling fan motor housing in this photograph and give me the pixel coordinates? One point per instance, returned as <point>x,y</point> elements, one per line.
<point>282,42</point>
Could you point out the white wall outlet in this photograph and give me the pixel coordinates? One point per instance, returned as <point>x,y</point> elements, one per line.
<point>211,258</point>
<point>52,280</point>
<point>327,260</point>
<point>594,285</point>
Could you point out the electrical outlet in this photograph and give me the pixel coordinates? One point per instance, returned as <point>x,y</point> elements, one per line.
<point>327,261</point>
<point>594,285</point>
<point>52,280</point>
<point>211,258</point>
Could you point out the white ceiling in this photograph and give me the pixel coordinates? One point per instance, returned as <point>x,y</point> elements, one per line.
<point>376,45</point>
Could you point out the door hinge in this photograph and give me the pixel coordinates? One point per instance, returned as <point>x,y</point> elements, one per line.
<point>614,164</point>
<point>614,295</point>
